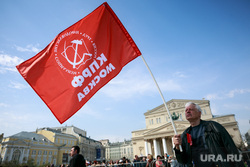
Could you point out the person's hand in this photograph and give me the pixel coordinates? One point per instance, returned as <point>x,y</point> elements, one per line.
<point>177,141</point>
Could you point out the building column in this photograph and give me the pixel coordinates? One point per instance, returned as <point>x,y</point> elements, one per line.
<point>146,147</point>
<point>27,154</point>
<point>11,154</point>
<point>5,154</point>
<point>155,147</point>
<point>165,149</point>
<point>21,156</point>
<point>173,145</point>
<point>150,148</point>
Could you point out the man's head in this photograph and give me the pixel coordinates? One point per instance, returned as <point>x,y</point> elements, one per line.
<point>192,111</point>
<point>74,150</point>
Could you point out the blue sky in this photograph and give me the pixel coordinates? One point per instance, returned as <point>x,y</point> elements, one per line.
<point>195,49</point>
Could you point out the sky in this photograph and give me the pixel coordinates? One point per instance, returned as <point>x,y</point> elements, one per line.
<point>195,49</point>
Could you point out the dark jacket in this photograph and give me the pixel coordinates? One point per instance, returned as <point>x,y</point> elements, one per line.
<point>165,162</point>
<point>77,161</point>
<point>219,143</point>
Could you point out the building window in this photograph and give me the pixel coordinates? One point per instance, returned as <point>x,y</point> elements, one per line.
<point>45,153</point>
<point>159,120</point>
<point>39,152</point>
<point>50,152</point>
<point>44,161</point>
<point>16,155</point>
<point>33,152</point>
<point>152,121</point>
<point>49,160</point>
<point>205,112</point>
<point>38,160</point>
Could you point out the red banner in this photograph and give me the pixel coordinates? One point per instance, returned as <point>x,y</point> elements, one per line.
<point>80,61</point>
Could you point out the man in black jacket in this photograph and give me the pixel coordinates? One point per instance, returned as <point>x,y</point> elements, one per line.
<point>77,159</point>
<point>205,143</point>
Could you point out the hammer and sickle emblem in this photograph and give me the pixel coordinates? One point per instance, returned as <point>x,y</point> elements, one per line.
<point>75,62</point>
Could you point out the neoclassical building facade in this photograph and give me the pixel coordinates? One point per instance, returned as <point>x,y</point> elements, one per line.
<point>49,146</point>
<point>156,138</point>
<point>118,150</point>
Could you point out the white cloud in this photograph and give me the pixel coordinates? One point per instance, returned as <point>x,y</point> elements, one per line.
<point>213,96</point>
<point>225,95</point>
<point>170,85</point>
<point>3,105</point>
<point>28,48</point>
<point>232,93</point>
<point>8,61</point>
<point>87,111</point>
<point>25,119</point>
<point>237,107</point>
<point>17,85</point>
<point>8,121</point>
<point>4,69</point>
<point>179,74</point>
<point>126,85</point>
<point>112,138</point>
<point>215,110</point>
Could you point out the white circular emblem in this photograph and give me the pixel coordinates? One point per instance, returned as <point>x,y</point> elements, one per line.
<point>72,50</point>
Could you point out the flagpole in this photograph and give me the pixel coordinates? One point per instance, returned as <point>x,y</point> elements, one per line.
<point>164,102</point>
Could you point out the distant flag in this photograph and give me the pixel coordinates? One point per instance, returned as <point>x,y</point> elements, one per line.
<point>79,61</point>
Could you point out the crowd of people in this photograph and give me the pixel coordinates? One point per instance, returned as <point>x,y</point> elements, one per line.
<point>201,139</point>
<point>149,161</point>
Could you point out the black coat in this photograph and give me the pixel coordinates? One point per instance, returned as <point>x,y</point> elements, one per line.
<point>165,162</point>
<point>219,143</point>
<point>77,161</point>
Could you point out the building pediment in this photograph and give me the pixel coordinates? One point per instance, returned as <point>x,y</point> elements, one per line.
<point>167,129</point>
<point>16,142</point>
<point>174,104</point>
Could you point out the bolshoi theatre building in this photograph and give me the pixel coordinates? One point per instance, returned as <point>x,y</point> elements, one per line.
<point>156,138</point>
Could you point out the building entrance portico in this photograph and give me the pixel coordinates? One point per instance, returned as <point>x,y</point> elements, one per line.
<point>157,141</point>
<point>158,146</point>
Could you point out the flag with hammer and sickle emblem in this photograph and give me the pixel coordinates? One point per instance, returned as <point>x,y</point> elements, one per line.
<point>79,61</point>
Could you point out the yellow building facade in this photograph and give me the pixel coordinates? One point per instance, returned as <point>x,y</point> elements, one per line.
<point>28,145</point>
<point>48,146</point>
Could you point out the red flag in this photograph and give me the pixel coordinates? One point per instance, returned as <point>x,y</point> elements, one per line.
<point>79,61</point>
